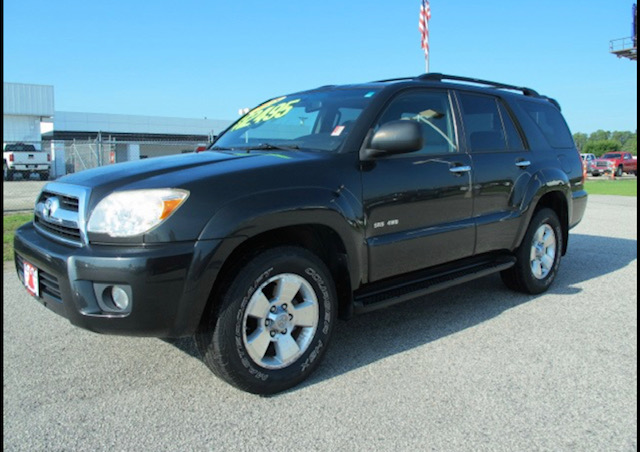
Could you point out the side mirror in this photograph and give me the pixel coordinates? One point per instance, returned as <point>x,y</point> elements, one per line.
<point>395,137</point>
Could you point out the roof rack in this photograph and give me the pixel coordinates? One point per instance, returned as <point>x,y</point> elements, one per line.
<point>394,79</point>
<point>437,77</point>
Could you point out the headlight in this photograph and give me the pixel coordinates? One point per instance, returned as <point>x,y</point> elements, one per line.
<point>134,212</point>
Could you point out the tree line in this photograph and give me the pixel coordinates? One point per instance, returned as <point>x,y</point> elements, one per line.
<point>603,141</point>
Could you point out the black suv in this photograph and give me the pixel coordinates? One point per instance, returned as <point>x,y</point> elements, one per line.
<point>313,206</point>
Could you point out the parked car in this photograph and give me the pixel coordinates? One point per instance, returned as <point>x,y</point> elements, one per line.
<point>618,163</point>
<point>591,168</point>
<point>25,159</point>
<point>314,205</point>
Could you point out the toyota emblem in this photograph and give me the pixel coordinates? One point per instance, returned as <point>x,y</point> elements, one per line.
<point>50,207</point>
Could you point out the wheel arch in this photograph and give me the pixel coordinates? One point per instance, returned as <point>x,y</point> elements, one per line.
<point>557,201</point>
<point>320,239</point>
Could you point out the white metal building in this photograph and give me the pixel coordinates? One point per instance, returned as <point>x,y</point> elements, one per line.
<point>78,140</point>
<point>66,121</point>
<point>24,107</point>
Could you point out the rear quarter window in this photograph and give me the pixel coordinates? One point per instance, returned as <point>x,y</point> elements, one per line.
<point>550,122</point>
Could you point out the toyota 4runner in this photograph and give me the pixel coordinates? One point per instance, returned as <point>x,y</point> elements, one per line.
<point>313,206</point>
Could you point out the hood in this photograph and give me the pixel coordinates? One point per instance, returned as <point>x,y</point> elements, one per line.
<point>178,170</point>
<point>123,173</point>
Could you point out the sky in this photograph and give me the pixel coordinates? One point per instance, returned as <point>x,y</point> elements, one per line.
<point>208,59</point>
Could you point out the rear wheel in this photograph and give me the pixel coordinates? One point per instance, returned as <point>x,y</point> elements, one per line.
<point>538,257</point>
<point>7,173</point>
<point>273,323</point>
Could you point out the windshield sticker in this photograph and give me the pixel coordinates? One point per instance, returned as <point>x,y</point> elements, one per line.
<point>273,109</point>
<point>337,131</point>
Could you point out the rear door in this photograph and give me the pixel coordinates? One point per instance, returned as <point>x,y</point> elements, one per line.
<point>418,206</point>
<point>630,164</point>
<point>500,168</point>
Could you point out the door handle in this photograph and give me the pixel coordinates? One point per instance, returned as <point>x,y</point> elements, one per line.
<point>460,169</point>
<point>523,163</point>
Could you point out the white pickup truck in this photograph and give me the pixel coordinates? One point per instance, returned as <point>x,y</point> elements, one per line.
<point>25,159</point>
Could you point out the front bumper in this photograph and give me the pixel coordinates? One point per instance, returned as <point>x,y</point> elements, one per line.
<point>169,283</point>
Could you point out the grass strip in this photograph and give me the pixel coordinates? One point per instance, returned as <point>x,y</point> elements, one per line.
<point>9,226</point>
<point>620,187</point>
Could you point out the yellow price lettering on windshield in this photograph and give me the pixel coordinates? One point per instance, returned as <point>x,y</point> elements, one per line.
<point>266,112</point>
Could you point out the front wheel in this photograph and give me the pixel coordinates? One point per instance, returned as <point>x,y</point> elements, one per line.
<point>538,257</point>
<point>273,322</point>
<point>619,171</point>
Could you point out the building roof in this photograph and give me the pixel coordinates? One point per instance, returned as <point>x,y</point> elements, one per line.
<point>66,121</point>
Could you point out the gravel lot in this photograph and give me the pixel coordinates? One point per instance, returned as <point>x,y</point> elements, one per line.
<point>475,368</point>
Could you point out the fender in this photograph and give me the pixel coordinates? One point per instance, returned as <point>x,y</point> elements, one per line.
<point>541,183</point>
<point>340,210</point>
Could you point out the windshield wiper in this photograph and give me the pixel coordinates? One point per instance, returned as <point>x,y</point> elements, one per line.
<point>270,147</point>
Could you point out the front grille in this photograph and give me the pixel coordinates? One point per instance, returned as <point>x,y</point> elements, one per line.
<point>58,230</point>
<point>602,164</point>
<point>66,202</point>
<point>59,212</point>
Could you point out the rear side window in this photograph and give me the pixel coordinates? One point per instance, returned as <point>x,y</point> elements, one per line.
<point>550,122</point>
<point>514,140</point>
<point>488,125</point>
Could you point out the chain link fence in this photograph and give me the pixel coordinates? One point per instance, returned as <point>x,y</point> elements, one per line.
<point>73,156</point>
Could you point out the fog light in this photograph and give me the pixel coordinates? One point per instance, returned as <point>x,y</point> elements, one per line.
<point>120,298</point>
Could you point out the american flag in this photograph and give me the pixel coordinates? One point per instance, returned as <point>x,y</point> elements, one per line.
<point>423,25</point>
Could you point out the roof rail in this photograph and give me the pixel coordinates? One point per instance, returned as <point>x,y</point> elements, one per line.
<point>398,79</point>
<point>437,77</point>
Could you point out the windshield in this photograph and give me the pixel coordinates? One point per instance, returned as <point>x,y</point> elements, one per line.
<point>611,156</point>
<point>318,120</point>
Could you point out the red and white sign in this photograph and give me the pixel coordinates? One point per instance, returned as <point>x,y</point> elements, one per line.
<point>31,279</point>
<point>337,131</point>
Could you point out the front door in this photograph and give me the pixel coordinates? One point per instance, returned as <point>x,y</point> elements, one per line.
<point>418,206</point>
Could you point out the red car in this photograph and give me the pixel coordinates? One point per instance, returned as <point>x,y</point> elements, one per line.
<point>617,162</point>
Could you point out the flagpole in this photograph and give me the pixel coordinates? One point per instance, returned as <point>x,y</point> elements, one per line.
<point>423,25</point>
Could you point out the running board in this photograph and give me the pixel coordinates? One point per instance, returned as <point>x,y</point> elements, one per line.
<point>382,294</point>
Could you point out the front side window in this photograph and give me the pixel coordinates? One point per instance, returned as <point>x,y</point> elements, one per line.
<point>315,120</point>
<point>430,109</point>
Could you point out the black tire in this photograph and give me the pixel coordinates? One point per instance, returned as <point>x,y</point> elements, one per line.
<point>44,176</point>
<point>7,173</point>
<point>271,364</point>
<point>522,276</point>
<point>619,171</point>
